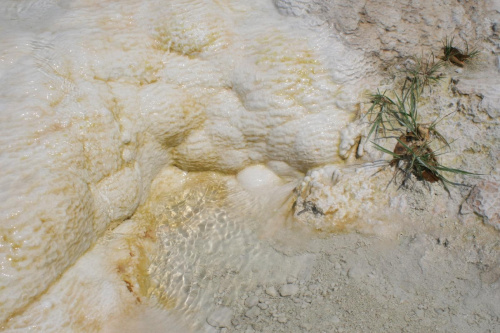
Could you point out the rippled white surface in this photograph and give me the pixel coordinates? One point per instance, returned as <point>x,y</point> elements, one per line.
<point>211,247</point>
<point>97,96</point>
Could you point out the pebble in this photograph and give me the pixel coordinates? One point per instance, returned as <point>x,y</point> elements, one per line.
<point>271,291</point>
<point>289,290</point>
<point>282,320</point>
<point>306,326</point>
<point>263,306</point>
<point>253,312</point>
<point>484,199</point>
<point>257,326</point>
<point>220,318</point>
<point>251,301</point>
<point>355,273</point>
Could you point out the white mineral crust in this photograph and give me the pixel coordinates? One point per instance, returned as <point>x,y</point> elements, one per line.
<point>97,97</point>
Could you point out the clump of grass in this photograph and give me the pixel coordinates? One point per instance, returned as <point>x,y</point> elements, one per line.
<point>455,55</point>
<point>402,108</point>
<point>424,72</point>
<point>413,155</point>
<point>390,114</point>
<point>398,112</point>
<point>379,113</point>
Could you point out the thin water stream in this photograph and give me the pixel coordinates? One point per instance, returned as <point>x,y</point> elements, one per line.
<point>213,243</point>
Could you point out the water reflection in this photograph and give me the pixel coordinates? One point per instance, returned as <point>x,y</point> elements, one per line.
<point>209,250</point>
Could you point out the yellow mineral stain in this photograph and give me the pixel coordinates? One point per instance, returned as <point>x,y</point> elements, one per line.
<point>175,208</point>
<point>170,206</point>
<point>189,38</point>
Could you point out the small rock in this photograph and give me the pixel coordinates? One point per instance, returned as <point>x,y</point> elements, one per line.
<point>484,199</point>
<point>263,306</point>
<point>282,320</point>
<point>220,318</point>
<point>335,320</point>
<point>291,279</point>
<point>439,311</point>
<point>306,326</point>
<point>253,312</point>
<point>251,301</point>
<point>271,291</point>
<point>257,326</point>
<point>289,290</point>
<point>355,273</point>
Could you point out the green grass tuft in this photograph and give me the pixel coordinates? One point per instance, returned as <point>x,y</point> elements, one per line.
<point>397,111</point>
<point>455,55</point>
<point>425,72</point>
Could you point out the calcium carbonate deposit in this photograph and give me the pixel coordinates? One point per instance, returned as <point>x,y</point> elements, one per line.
<point>202,166</point>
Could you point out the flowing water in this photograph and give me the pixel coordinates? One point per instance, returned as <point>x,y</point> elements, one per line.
<point>213,243</point>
